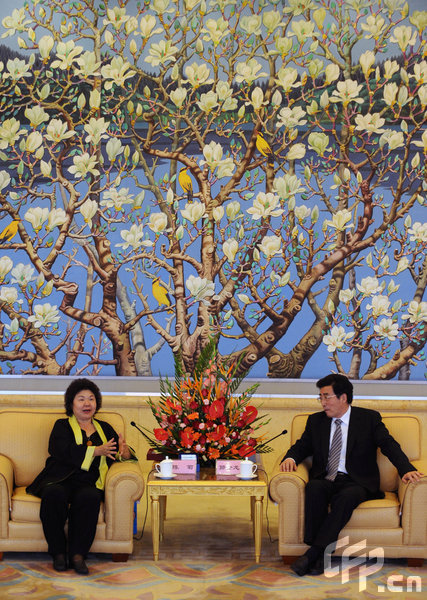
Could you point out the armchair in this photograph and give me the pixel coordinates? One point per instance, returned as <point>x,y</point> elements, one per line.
<point>397,523</point>
<point>24,437</point>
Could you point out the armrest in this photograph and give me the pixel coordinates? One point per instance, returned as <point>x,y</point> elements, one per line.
<point>288,490</point>
<point>6,489</point>
<point>413,500</point>
<point>124,485</point>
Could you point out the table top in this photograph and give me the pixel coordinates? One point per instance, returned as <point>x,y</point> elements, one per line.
<point>207,478</point>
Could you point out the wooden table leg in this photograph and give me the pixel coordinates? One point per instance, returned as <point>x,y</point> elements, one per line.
<point>155,525</point>
<point>258,526</point>
<point>162,516</point>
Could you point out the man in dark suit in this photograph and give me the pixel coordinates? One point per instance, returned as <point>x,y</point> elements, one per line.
<point>343,441</point>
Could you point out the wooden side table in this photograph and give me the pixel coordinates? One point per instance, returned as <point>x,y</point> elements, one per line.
<point>206,483</point>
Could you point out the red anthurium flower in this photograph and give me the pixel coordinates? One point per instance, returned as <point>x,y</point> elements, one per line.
<point>250,414</point>
<point>161,434</point>
<point>246,450</point>
<point>187,437</point>
<point>216,409</point>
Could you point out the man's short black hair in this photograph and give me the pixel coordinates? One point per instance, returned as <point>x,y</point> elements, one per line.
<point>340,384</point>
<point>77,386</point>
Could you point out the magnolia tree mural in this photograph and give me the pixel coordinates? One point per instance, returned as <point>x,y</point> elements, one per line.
<point>182,169</point>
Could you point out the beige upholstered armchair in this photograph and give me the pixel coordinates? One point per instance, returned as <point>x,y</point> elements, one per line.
<point>397,523</point>
<point>24,437</point>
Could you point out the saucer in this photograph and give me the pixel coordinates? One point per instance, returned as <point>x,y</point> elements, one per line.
<point>253,476</point>
<point>160,476</point>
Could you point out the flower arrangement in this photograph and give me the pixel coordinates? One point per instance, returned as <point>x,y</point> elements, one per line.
<point>202,414</point>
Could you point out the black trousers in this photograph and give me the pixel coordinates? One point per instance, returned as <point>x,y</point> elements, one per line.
<point>322,526</point>
<point>77,503</point>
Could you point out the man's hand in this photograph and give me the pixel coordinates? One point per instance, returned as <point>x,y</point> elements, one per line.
<point>288,465</point>
<point>412,477</point>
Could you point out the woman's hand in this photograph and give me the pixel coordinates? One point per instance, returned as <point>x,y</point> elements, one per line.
<point>124,448</point>
<point>108,449</point>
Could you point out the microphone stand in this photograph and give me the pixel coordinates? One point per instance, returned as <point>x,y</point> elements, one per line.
<point>273,438</point>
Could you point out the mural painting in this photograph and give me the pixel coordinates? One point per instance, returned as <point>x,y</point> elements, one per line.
<point>176,170</point>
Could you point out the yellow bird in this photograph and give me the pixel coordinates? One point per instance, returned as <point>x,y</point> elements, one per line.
<point>160,293</point>
<point>264,148</point>
<point>186,183</point>
<point>9,231</point>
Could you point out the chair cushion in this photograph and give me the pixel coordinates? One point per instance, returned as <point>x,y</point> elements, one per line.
<point>26,507</point>
<point>377,514</point>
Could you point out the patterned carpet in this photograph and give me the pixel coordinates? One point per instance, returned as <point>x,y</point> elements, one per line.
<point>205,558</point>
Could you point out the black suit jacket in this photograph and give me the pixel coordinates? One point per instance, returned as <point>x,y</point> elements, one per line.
<point>366,433</point>
<point>66,457</point>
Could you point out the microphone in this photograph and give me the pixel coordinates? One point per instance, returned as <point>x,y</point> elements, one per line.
<point>140,430</point>
<point>273,438</point>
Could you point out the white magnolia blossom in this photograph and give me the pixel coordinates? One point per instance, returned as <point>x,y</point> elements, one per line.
<point>8,294</point>
<point>17,21</point>
<point>340,220</point>
<point>194,211</point>
<point>88,66</point>
<point>66,53</point>
<point>404,36</point>
<point>36,115</point>
<point>270,246</point>
<point>33,141</point>
<point>287,78</point>
<point>230,248</point>
<point>6,265</point>
<point>57,131</point>
<point>347,295</point>
<point>296,152</point>
<point>96,130</point>
<point>208,102</point>
<point>394,139</point>
<point>10,132</point>
<point>46,43</point>
<point>248,71</point>
<point>417,312</point>
<point>116,17</point>
<point>347,91</point>
<point>158,222</point>
<point>380,305</point>
<point>291,117</point>
<point>114,148</point>
<point>337,338</point>
<point>423,142</point>
<point>197,75</point>
<point>37,216</point>
<point>4,179</point>
<point>418,232</point>
<point>117,72</point>
<point>265,205</point>
<point>114,198</point>
<point>161,53</point>
<point>370,123</point>
<point>302,30</point>
<point>88,210</point>
<point>215,30</point>
<point>200,289</point>
<point>390,93</point>
<point>44,315</point>
<point>22,274</point>
<point>218,213</point>
<point>369,286</point>
<point>147,25</point>
<point>386,328</point>
<point>373,27</point>
<point>232,209</point>
<point>319,142</point>
<point>132,237</point>
<point>402,265</point>
<point>257,99</point>
<point>213,154</point>
<point>225,93</point>
<point>17,69</point>
<point>84,164</point>
<point>13,328</point>
<point>56,218</point>
<point>302,212</point>
<point>251,24</point>
<point>178,96</point>
<point>288,186</point>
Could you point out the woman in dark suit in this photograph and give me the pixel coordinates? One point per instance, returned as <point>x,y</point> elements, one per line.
<point>71,486</point>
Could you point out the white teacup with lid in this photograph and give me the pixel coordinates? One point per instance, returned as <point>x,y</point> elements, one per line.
<point>247,468</point>
<point>164,468</point>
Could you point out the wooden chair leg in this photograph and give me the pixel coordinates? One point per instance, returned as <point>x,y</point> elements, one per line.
<point>415,562</point>
<point>289,559</point>
<point>1,556</point>
<point>120,557</point>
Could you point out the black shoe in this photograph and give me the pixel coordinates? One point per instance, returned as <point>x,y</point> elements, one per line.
<point>59,562</point>
<point>77,562</point>
<point>301,566</point>
<point>318,568</point>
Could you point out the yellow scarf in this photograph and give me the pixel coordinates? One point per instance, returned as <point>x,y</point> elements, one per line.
<point>78,436</point>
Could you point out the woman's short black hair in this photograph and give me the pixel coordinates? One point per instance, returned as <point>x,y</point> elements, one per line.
<point>340,384</point>
<point>77,386</point>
